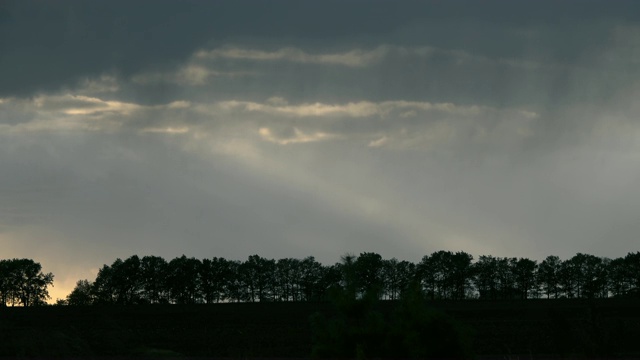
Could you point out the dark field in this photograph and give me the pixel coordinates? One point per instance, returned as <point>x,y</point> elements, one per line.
<point>498,329</point>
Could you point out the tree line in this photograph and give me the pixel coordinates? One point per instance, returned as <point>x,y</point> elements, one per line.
<point>441,275</point>
<point>23,283</point>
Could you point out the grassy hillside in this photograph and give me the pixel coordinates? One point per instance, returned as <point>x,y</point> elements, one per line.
<point>538,328</point>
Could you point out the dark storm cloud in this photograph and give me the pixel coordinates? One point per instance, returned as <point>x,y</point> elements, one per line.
<point>48,44</point>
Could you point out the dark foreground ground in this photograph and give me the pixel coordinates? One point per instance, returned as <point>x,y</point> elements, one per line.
<point>607,328</point>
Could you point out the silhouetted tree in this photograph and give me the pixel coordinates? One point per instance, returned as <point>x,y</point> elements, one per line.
<point>568,279</point>
<point>103,286</point>
<point>461,274</point>
<point>153,274</point>
<point>441,275</point>
<point>258,275</point>
<point>183,280</point>
<point>128,278</point>
<point>398,275</point>
<point>266,279</point>
<point>506,278</point>
<point>446,275</point>
<point>235,288</point>
<point>486,281</point>
<point>330,279</point>
<point>22,282</point>
<point>348,275</point>
<point>524,271</point>
<point>602,286</point>
<point>617,275</point>
<point>82,294</point>
<point>214,274</point>
<point>428,275</point>
<point>369,274</point>
<point>8,283</point>
<point>120,283</point>
<point>548,276</point>
<point>595,283</point>
<point>310,274</point>
<point>586,276</point>
<point>434,272</point>
<point>632,275</point>
<point>623,274</point>
<point>285,279</point>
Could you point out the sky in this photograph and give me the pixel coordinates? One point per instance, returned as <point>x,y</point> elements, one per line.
<point>316,128</point>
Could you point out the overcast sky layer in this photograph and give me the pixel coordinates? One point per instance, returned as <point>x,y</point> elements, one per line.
<point>296,128</point>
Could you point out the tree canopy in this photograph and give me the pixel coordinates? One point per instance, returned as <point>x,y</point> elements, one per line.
<point>441,275</point>
<point>22,282</point>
